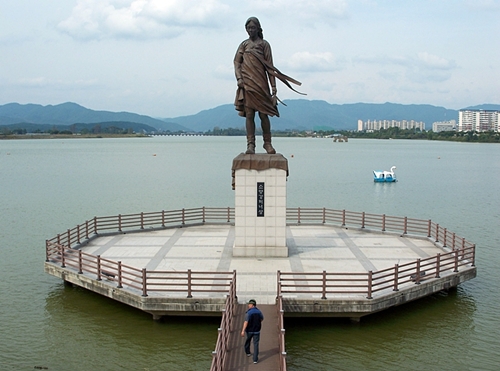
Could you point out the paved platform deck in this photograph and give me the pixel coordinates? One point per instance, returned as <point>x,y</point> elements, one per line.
<point>312,248</point>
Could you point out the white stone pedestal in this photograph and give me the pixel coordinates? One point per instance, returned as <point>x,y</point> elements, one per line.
<point>260,205</point>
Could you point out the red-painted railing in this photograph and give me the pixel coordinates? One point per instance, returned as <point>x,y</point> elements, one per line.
<point>281,333</point>
<point>222,344</point>
<point>462,252</point>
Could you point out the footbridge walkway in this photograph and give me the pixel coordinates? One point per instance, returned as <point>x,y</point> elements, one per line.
<point>340,264</point>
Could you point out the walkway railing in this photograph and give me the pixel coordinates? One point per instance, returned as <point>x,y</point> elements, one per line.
<point>183,217</point>
<point>59,249</point>
<point>327,284</point>
<point>281,333</point>
<point>130,222</point>
<point>222,344</point>
<point>146,281</point>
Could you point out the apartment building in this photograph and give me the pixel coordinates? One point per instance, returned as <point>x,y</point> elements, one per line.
<point>372,125</point>
<point>478,120</point>
<point>444,126</point>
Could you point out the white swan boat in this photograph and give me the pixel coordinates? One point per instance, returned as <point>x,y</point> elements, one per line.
<point>384,176</point>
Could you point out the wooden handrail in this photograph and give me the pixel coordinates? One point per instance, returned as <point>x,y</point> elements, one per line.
<point>62,249</point>
<point>281,333</point>
<point>325,284</point>
<point>222,344</point>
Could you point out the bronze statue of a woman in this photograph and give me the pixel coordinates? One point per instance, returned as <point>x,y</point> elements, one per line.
<point>254,70</point>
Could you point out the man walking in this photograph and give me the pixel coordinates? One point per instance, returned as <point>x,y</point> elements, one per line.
<point>251,326</point>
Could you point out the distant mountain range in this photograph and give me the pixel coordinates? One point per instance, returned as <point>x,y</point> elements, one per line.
<point>62,116</point>
<point>299,114</point>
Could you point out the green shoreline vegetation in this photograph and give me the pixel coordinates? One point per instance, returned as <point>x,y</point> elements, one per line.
<point>390,133</point>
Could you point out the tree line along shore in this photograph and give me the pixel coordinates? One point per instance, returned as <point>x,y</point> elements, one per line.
<point>390,133</point>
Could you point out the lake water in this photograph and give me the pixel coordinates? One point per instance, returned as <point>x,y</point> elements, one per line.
<point>48,186</point>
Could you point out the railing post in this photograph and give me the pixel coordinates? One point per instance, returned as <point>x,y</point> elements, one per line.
<point>324,215</point>
<point>396,277</point>
<point>99,268</point>
<point>417,278</point>
<point>189,283</point>
<point>298,215</point>
<point>324,285</point>
<point>78,233</point>
<point>95,225</point>
<point>343,218</point>
<point>119,222</point>
<point>278,284</point>
<point>228,214</point>
<point>63,263</point>
<point>383,222</point>
<point>445,237</point>
<point>429,224</point>
<point>163,218</point>
<point>80,263</point>
<point>456,261</point>
<point>120,275</point>
<point>142,220</point>
<point>58,239</point>
<point>69,238</point>
<point>473,255</point>
<point>144,282</point>
<point>234,283</point>
<point>453,236</point>
<point>438,265</point>
<point>405,231</point>
<point>87,229</point>
<point>363,220</point>
<point>370,282</point>
<point>183,217</point>
<point>437,232</point>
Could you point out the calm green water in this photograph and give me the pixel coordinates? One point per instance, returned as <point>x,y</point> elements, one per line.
<point>48,186</point>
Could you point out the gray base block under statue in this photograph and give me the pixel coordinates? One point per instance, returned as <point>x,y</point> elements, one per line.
<point>259,182</point>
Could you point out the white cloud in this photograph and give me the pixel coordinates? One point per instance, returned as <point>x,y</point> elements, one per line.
<point>429,61</point>
<point>44,82</point>
<point>422,68</point>
<point>98,19</point>
<point>312,62</point>
<point>225,72</point>
<point>305,10</point>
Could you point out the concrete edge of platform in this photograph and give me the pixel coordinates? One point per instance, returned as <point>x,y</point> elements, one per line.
<point>155,305</point>
<point>359,307</point>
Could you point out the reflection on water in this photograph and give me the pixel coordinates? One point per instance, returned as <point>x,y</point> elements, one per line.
<point>412,333</point>
<point>50,185</point>
<point>105,334</point>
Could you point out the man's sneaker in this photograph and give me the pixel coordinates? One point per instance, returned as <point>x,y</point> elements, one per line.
<point>248,354</point>
<point>255,362</point>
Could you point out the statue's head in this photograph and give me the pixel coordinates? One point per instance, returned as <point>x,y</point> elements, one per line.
<point>256,22</point>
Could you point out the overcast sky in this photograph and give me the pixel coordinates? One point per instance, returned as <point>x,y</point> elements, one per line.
<point>167,58</point>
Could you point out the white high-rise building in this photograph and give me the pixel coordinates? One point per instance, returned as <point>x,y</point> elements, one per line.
<point>371,125</point>
<point>478,120</point>
<point>444,126</point>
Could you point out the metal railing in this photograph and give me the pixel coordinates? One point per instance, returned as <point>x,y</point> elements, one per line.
<point>224,331</point>
<point>368,283</point>
<point>281,333</point>
<point>59,249</point>
<point>141,221</point>
<point>146,281</point>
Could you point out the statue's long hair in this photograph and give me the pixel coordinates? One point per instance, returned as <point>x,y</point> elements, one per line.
<point>256,21</point>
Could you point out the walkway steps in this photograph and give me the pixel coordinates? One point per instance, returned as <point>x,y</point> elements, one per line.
<point>268,346</point>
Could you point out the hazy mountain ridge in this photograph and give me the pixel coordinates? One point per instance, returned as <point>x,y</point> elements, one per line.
<point>304,114</point>
<point>66,114</point>
<point>299,114</point>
